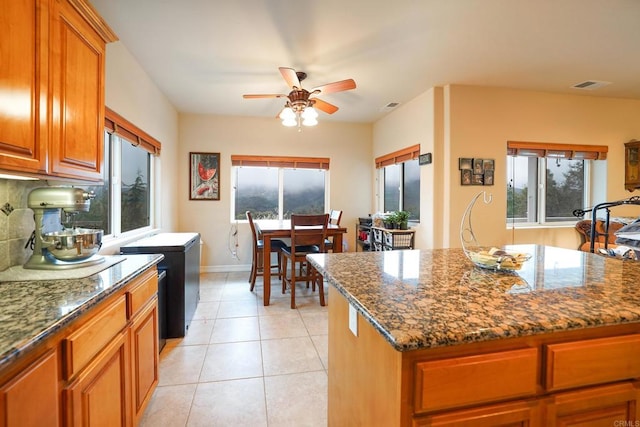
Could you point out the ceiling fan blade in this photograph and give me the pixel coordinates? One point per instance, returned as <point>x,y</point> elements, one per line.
<point>335,87</point>
<point>324,106</point>
<point>290,76</point>
<point>264,95</point>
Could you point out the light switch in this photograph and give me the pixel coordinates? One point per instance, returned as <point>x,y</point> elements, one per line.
<point>353,320</point>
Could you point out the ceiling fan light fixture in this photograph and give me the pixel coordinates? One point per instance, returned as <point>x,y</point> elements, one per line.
<point>309,122</point>
<point>287,114</point>
<point>290,122</point>
<point>310,113</point>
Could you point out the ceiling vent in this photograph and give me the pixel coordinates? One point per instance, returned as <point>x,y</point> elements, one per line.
<point>590,85</point>
<point>390,106</point>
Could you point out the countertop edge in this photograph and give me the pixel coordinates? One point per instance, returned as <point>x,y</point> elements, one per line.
<point>30,343</point>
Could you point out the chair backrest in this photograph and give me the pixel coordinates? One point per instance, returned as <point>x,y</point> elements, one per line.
<point>309,230</point>
<point>255,228</point>
<point>334,217</point>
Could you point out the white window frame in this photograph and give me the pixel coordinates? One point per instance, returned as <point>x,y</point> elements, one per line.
<point>234,181</point>
<point>380,186</point>
<point>537,180</point>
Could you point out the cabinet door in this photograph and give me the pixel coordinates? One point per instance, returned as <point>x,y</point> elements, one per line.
<point>36,383</point>
<point>77,71</point>
<point>515,414</point>
<point>599,406</point>
<point>144,358</point>
<point>24,31</point>
<point>100,396</point>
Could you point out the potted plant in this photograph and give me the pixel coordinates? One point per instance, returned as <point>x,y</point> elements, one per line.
<point>390,221</point>
<point>402,219</point>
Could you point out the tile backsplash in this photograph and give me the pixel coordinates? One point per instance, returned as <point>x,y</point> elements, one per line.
<point>16,221</point>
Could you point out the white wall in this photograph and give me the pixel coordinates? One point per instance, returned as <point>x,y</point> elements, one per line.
<point>348,146</point>
<point>131,93</point>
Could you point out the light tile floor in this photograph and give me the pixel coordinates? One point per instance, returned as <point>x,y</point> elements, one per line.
<point>244,364</point>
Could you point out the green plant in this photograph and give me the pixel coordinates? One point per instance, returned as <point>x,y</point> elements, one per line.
<point>401,219</point>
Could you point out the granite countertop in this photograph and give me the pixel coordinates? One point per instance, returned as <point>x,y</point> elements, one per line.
<point>420,299</point>
<point>30,311</point>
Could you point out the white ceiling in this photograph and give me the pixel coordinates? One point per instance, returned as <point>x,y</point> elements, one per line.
<point>205,54</point>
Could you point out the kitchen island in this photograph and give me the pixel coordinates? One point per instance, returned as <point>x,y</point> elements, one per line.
<point>426,338</point>
<point>75,351</point>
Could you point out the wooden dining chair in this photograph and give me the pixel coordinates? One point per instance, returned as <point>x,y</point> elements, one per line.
<point>334,218</point>
<point>258,252</point>
<point>308,235</point>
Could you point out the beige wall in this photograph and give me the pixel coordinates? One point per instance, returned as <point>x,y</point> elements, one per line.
<point>482,120</point>
<point>416,122</point>
<point>348,146</point>
<point>131,93</point>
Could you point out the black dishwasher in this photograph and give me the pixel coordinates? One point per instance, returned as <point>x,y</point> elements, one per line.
<point>182,265</point>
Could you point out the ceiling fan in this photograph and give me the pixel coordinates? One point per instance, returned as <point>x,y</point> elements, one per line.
<point>299,108</point>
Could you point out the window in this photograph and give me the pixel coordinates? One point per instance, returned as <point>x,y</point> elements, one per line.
<point>125,207</point>
<point>399,175</point>
<point>548,181</point>
<point>124,202</point>
<point>276,187</point>
<point>545,190</point>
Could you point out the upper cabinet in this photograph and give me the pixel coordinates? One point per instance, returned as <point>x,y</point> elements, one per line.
<point>52,106</point>
<point>632,165</point>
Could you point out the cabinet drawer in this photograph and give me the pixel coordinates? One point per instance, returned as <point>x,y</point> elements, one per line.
<point>86,342</point>
<point>594,361</point>
<point>459,381</point>
<point>142,292</point>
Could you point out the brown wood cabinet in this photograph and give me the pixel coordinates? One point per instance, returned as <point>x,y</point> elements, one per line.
<point>101,369</point>
<point>54,84</point>
<point>582,377</point>
<point>38,382</point>
<point>100,394</point>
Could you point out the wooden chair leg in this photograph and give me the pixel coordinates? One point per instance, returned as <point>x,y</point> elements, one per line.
<point>284,272</point>
<point>293,283</point>
<point>254,271</point>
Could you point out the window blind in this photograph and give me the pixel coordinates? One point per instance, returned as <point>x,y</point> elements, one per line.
<point>116,124</point>
<point>399,156</point>
<point>281,161</point>
<point>557,150</point>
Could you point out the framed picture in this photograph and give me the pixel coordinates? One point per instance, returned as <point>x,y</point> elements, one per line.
<point>424,159</point>
<point>488,177</point>
<point>204,176</point>
<point>477,179</point>
<point>478,166</point>
<point>464,163</point>
<point>465,177</point>
<point>488,164</point>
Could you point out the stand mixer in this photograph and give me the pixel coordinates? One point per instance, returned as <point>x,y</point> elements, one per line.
<point>55,246</point>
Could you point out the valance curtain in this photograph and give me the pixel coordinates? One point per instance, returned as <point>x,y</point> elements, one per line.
<point>281,162</point>
<point>557,150</point>
<point>118,125</point>
<point>399,156</point>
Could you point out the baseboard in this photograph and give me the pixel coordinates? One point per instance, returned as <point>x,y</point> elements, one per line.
<point>225,268</point>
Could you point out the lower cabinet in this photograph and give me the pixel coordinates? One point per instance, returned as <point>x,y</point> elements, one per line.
<point>99,396</point>
<point>37,383</point>
<point>100,370</point>
<point>507,414</point>
<point>144,360</point>
<point>612,405</point>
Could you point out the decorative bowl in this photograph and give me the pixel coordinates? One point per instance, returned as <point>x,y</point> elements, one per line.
<point>73,244</point>
<point>496,259</point>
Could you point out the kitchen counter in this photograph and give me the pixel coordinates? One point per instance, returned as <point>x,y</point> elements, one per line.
<point>433,298</point>
<point>31,311</point>
<point>421,338</point>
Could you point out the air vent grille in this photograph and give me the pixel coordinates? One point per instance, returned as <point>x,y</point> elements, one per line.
<point>590,85</point>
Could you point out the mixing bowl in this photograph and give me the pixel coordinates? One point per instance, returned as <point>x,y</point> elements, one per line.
<point>75,244</point>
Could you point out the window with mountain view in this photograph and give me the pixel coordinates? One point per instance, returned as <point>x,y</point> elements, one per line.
<point>275,192</point>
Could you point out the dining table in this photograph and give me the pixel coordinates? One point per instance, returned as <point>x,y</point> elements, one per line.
<point>281,229</point>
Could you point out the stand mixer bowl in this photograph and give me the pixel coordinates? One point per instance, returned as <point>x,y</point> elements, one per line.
<point>73,244</point>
